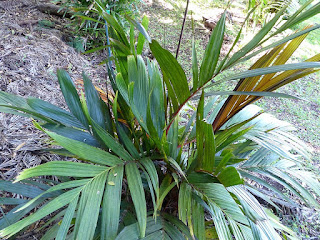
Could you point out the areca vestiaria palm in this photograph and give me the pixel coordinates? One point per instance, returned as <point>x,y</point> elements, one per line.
<point>143,175</point>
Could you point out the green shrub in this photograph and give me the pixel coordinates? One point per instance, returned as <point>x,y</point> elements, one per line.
<point>264,9</point>
<point>155,159</point>
<point>86,21</point>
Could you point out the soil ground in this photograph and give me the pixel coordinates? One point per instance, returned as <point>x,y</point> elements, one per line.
<point>30,54</point>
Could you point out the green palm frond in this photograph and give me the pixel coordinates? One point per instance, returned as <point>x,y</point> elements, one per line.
<point>152,162</point>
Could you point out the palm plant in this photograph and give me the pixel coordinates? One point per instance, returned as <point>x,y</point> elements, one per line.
<point>157,160</point>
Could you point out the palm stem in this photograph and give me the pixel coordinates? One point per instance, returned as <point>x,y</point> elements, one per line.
<point>184,21</point>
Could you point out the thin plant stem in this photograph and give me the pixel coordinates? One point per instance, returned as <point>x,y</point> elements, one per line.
<point>184,20</point>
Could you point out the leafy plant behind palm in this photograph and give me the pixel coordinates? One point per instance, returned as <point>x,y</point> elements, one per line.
<point>142,174</point>
<point>266,8</point>
<point>86,23</point>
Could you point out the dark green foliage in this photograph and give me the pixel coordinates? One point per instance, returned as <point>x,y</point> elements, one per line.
<point>88,25</point>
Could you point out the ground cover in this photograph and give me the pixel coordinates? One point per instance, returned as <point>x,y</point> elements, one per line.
<point>32,46</point>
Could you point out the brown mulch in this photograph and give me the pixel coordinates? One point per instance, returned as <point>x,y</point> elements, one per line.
<point>30,54</point>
